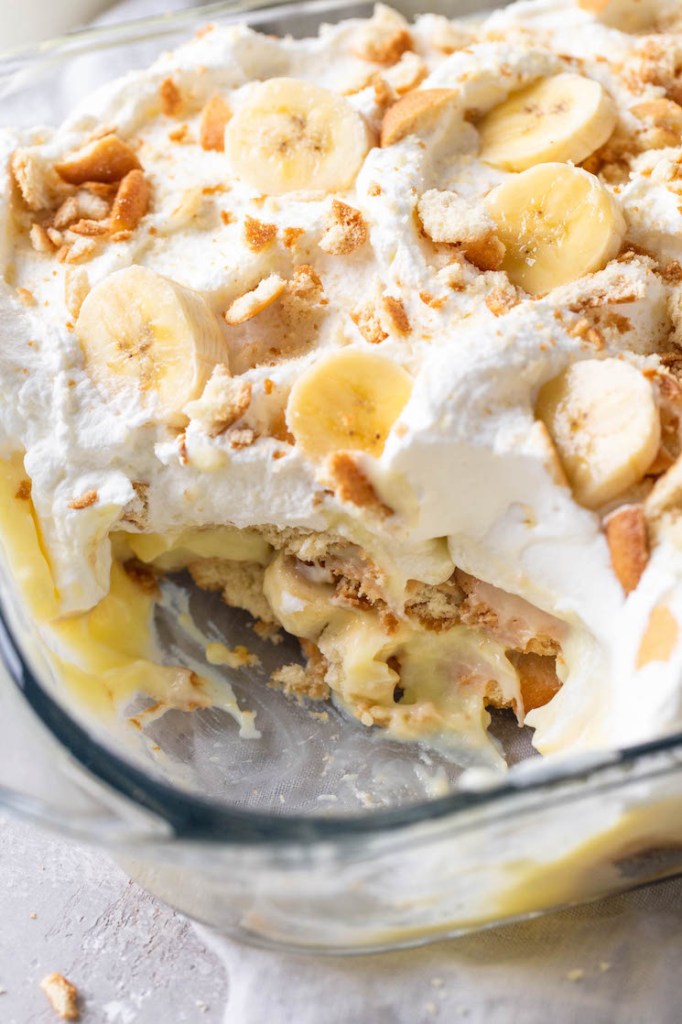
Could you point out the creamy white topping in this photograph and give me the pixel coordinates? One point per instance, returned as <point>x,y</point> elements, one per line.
<point>466,460</point>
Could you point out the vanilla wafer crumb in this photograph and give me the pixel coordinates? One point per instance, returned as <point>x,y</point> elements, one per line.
<point>62,996</point>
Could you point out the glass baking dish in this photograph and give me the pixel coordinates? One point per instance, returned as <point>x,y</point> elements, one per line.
<point>318,834</point>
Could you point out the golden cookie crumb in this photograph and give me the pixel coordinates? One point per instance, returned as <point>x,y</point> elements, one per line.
<point>417,110</point>
<point>384,38</point>
<point>351,484</point>
<point>345,230</point>
<point>179,134</point>
<point>85,500</point>
<point>538,679</point>
<point>397,314</point>
<point>131,202</point>
<point>68,212</point>
<point>368,322</point>
<point>26,297</point>
<point>171,98</point>
<point>224,400</point>
<point>38,183</point>
<point>626,535</point>
<point>82,249</point>
<point>241,438</point>
<point>407,74</point>
<point>105,160</point>
<point>384,95</point>
<point>305,288</point>
<point>62,996</point>
<point>214,117</point>
<point>258,236</point>
<point>587,332</point>
<point>290,236</point>
<point>660,637</point>
<point>254,302</point>
<point>40,240</point>
<point>500,300</point>
<point>76,288</point>
<point>448,219</point>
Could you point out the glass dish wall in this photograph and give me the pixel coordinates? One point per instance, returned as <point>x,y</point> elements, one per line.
<point>319,834</point>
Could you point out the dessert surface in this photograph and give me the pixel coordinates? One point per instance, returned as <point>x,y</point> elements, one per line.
<point>378,334</point>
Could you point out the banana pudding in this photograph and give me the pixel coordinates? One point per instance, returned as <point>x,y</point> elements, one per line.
<point>378,334</point>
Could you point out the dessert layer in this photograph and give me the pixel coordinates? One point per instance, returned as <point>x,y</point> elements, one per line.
<point>411,289</point>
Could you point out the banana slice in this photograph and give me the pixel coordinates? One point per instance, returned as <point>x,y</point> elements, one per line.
<point>557,223</point>
<point>627,15</point>
<point>347,400</point>
<point>139,329</point>
<point>563,118</point>
<point>603,419</point>
<point>302,604</point>
<point>292,135</point>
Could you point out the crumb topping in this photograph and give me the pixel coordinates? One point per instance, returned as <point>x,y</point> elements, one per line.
<point>171,98</point>
<point>76,288</point>
<point>368,321</point>
<point>224,400</point>
<point>304,682</point>
<point>85,500</point>
<point>345,230</point>
<point>131,203</point>
<point>106,160</point>
<point>397,314</point>
<point>626,534</point>
<point>383,39</point>
<point>258,236</point>
<point>352,485</point>
<point>214,117</point>
<point>254,302</point>
<point>447,218</point>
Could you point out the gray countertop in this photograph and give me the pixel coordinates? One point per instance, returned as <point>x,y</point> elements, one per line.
<point>71,910</point>
<point>135,961</point>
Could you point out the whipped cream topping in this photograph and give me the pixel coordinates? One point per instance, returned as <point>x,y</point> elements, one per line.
<point>467,469</point>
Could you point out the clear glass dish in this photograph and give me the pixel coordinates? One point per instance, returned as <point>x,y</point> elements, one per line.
<point>320,834</point>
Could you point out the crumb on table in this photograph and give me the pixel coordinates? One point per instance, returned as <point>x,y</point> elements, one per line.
<point>61,995</point>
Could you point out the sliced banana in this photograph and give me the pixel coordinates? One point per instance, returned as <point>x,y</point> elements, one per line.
<point>347,400</point>
<point>138,329</point>
<point>562,118</point>
<point>291,135</point>
<point>627,15</point>
<point>603,419</point>
<point>557,223</point>
<point>302,604</point>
